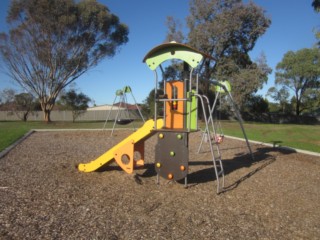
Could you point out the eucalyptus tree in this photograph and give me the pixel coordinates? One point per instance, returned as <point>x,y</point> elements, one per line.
<point>228,30</point>
<point>24,105</point>
<point>75,102</point>
<point>51,43</point>
<point>280,95</point>
<point>316,5</point>
<point>299,72</point>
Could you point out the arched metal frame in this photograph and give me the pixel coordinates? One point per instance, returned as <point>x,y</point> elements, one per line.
<point>121,95</point>
<point>168,51</point>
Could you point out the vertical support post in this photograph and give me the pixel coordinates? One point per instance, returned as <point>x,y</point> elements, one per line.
<point>164,92</point>
<point>118,113</point>
<point>241,123</point>
<point>190,103</point>
<point>110,111</point>
<point>155,96</point>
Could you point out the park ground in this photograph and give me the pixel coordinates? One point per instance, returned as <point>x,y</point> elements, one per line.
<point>44,196</point>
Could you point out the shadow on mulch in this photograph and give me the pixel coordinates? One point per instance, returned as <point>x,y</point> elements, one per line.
<point>262,157</point>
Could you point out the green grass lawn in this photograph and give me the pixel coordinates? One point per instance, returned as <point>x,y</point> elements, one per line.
<point>12,131</point>
<point>306,137</point>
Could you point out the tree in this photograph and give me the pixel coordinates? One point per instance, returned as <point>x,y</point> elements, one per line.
<point>316,5</point>
<point>280,95</point>
<point>148,107</point>
<point>51,43</point>
<point>174,32</point>
<point>76,102</point>
<point>227,30</point>
<point>300,72</point>
<point>7,99</point>
<point>257,105</point>
<point>21,104</point>
<point>7,95</point>
<point>24,105</point>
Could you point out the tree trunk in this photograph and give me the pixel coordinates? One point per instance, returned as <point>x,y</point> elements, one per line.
<point>47,118</point>
<point>25,116</point>
<point>47,106</point>
<point>297,108</point>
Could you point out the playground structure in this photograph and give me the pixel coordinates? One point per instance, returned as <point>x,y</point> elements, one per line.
<point>123,116</point>
<point>180,106</point>
<point>223,88</point>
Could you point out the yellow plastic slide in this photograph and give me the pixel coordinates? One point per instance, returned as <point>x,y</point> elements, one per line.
<point>135,137</point>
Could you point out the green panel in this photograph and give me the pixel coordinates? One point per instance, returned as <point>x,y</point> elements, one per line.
<point>127,89</point>
<point>119,93</point>
<point>227,86</point>
<point>192,58</point>
<point>193,116</point>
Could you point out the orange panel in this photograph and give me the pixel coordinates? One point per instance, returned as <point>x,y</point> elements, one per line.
<point>175,109</point>
<point>127,151</point>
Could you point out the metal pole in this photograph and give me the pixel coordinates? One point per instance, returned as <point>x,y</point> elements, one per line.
<point>115,120</point>
<point>210,143</point>
<point>241,124</point>
<point>109,113</point>
<point>137,107</point>
<point>155,98</point>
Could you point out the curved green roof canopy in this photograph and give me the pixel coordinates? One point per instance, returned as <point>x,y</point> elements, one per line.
<point>173,50</point>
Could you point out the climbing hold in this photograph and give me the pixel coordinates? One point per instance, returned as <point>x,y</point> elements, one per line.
<point>158,165</point>
<point>170,176</point>
<point>182,168</point>
<point>179,136</point>
<point>172,153</point>
<point>161,135</point>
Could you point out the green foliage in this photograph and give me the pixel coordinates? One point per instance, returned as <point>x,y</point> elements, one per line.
<point>299,72</point>
<point>316,5</point>
<point>174,30</point>
<point>227,31</point>
<point>148,107</point>
<point>24,103</point>
<point>256,105</point>
<point>282,95</point>
<point>76,102</point>
<point>176,71</point>
<point>51,43</point>
<point>7,95</point>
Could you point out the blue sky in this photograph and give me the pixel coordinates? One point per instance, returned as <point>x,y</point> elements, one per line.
<point>292,24</point>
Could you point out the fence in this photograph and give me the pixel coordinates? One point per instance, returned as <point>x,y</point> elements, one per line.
<point>93,115</point>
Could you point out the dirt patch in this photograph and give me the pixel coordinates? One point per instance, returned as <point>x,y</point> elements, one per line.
<point>43,196</point>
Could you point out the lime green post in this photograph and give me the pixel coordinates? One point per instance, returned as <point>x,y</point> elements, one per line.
<point>192,115</point>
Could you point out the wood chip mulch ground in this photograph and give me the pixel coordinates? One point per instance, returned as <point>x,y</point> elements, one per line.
<point>44,196</point>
